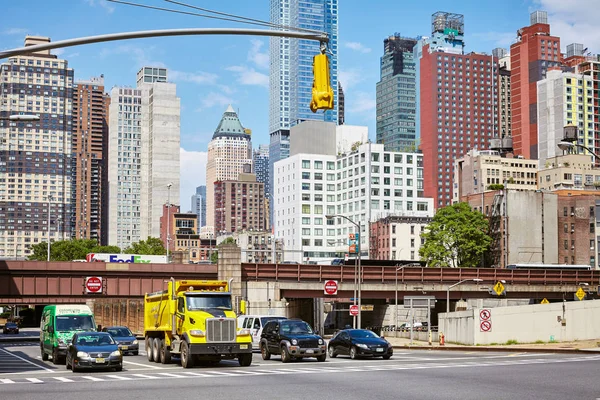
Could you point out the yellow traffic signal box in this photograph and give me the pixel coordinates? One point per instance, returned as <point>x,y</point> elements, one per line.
<point>322,93</point>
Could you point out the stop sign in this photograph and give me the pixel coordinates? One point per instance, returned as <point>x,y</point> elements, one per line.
<point>93,284</point>
<point>353,310</point>
<point>331,287</point>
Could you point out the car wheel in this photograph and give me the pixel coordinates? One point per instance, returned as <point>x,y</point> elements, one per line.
<point>149,343</point>
<point>186,358</point>
<point>156,350</point>
<point>44,354</point>
<point>135,353</point>
<point>67,365</point>
<point>265,352</point>
<point>165,353</point>
<point>285,355</point>
<point>245,359</point>
<point>387,357</point>
<point>119,368</point>
<point>353,353</point>
<point>322,358</point>
<point>332,353</point>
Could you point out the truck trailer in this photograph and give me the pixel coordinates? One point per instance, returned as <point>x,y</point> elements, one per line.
<point>126,258</point>
<point>195,320</point>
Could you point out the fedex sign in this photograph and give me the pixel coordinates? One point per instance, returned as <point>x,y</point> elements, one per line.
<point>126,258</point>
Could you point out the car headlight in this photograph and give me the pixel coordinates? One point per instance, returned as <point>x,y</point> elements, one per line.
<point>82,354</point>
<point>321,341</point>
<point>115,353</point>
<point>244,332</point>
<point>135,342</point>
<point>362,346</point>
<point>294,342</point>
<point>197,332</point>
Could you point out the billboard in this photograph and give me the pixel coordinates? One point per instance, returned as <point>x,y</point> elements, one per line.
<point>353,243</point>
<point>126,258</point>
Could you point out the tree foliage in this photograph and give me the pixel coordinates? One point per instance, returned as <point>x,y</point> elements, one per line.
<point>456,237</point>
<point>150,246</point>
<point>214,257</point>
<point>69,250</point>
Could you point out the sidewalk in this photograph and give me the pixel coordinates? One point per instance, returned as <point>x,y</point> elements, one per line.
<point>552,347</point>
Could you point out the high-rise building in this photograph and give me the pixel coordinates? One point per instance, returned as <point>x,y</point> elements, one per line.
<point>504,92</point>
<point>199,205</point>
<point>564,98</point>
<point>260,166</point>
<point>396,95</point>
<point>341,105</point>
<point>457,104</point>
<point>144,146</point>
<point>90,154</point>
<point>534,52</point>
<point>290,78</point>
<point>35,171</point>
<point>228,151</point>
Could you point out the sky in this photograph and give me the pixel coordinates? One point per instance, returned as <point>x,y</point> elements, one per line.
<point>212,72</point>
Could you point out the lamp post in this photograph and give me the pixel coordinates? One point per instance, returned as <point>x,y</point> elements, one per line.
<point>566,146</point>
<point>168,219</point>
<point>358,289</point>
<point>49,200</point>
<point>396,319</point>
<point>456,284</point>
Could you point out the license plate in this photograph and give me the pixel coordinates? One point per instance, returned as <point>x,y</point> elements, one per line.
<point>309,351</point>
<point>379,350</point>
<point>100,361</point>
<point>124,347</point>
<point>243,346</point>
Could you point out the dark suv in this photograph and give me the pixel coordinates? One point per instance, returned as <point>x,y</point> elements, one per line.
<point>292,338</point>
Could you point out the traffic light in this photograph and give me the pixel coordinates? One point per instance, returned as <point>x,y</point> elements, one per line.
<point>322,93</point>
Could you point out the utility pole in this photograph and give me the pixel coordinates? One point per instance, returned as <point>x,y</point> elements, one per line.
<point>169,220</point>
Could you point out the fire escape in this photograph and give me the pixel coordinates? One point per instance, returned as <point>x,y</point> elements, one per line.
<point>495,216</point>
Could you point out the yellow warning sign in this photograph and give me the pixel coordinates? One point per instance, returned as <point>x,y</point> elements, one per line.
<point>544,301</point>
<point>580,294</point>
<point>499,288</point>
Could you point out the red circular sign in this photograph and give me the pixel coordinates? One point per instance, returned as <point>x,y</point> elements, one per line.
<point>331,287</point>
<point>485,314</point>
<point>354,309</point>
<point>486,326</point>
<point>93,284</point>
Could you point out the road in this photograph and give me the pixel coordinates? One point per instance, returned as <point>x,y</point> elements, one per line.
<point>408,375</point>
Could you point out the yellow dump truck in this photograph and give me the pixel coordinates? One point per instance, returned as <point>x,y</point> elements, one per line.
<point>195,320</point>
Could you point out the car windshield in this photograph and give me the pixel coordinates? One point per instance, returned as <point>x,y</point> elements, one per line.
<point>363,333</point>
<point>11,325</point>
<point>93,339</point>
<point>119,332</point>
<point>296,327</point>
<point>66,323</point>
<point>222,302</point>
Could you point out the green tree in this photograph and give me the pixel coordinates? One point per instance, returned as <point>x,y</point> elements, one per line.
<point>150,246</point>
<point>456,237</point>
<point>65,250</point>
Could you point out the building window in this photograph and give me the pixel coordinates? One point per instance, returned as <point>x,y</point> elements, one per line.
<point>412,242</point>
<point>306,164</point>
<point>318,164</point>
<point>305,208</point>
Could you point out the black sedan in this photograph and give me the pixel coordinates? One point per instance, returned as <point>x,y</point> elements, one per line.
<point>94,350</point>
<point>10,327</point>
<point>359,342</point>
<point>124,338</point>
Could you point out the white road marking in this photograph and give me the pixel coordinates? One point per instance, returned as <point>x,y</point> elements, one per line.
<point>35,380</point>
<point>62,379</point>
<point>197,374</point>
<point>143,365</point>
<point>119,377</point>
<point>170,374</point>
<point>6,380</point>
<point>221,373</point>
<point>27,361</point>
<point>93,378</point>
<point>145,376</point>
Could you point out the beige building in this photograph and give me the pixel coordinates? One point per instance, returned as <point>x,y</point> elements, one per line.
<point>504,111</point>
<point>478,169</point>
<point>571,171</point>
<point>257,246</point>
<point>228,151</point>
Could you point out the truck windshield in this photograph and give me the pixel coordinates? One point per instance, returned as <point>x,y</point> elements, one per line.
<point>205,302</point>
<point>75,323</point>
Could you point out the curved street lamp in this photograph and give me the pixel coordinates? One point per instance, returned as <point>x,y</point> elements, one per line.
<point>566,146</point>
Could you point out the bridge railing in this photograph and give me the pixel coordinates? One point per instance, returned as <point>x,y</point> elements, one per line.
<point>387,274</point>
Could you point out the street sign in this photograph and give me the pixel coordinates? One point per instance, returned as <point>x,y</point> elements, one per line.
<point>354,310</point>
<point>485,326</point>
<point>544,301</point>
<point>330,288</point>
<point>93,284</point>
<point>366,307</point>
<point>499,288</point>
<point>580,294</point>
<point>485,314</point>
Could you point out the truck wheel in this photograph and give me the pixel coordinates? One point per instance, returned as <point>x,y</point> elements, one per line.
<point>156,350</point>
<point>44,354</point>
<point>265,352</point>
<point>55,357</point>
<point>187,360</point>
<point>149,343</point>
<point>245,359</point>
<point>165,353</point>
<point>285,355</point>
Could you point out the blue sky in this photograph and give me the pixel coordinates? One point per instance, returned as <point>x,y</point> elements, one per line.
<point>213,71</point>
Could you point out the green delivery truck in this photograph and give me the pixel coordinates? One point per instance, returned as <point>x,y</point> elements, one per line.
<point>58,325</point>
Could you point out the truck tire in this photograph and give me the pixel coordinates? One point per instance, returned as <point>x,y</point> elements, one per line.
<point>187,360</point>
<point>44,354</point>
<point>55,358</point>
<point>165,353</point>
<point>245,359</point>
<point>156,350</point>
<point>149,343</point>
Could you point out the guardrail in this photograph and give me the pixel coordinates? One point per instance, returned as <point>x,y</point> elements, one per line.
<point>387,274</point>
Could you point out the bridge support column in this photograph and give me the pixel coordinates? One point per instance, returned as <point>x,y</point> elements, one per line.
<point>229,265</point>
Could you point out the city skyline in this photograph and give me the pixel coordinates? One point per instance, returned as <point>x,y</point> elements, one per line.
<point>241,74</point>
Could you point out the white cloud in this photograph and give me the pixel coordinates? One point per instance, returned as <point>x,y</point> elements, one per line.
<point>140,55</point>
<point>193,174</point>
<point>14,31</point>
<point>260,59</point>
<point>360,102</point>
<point>249,76</point>
<point>200,77</point>
<point>101,3</point>
<point>349,78</point>
<point>357,46</point>
<point>214,99</point>
<point>499,39</point>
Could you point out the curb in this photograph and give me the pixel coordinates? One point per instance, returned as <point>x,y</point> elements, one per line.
<point>498,349</point>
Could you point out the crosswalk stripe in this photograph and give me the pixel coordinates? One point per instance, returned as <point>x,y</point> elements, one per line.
<point>93,378</point>
<point>196,374</point>
<point>221,373</point>
<point>62,379</point>
<point>145,376</point>
<point>239,371</point>
<point>119,377</point>
<point>35,380</point>
<point>170,375</point>
<point>272,371</point>
<point>6,380</point>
